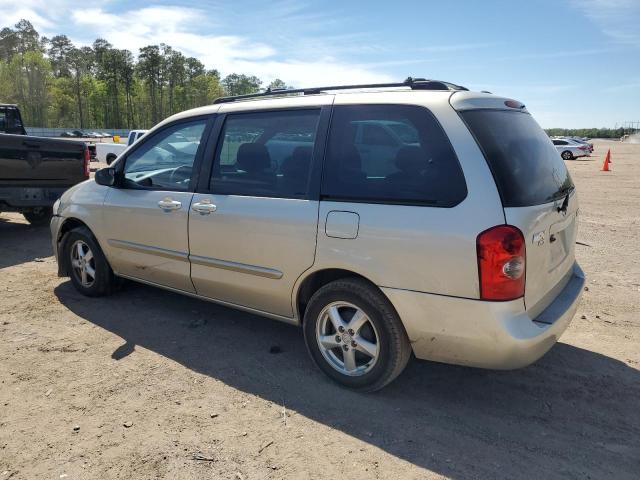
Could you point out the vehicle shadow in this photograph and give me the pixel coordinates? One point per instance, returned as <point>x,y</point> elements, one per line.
<point>21,242</point>
<point>573,414</point>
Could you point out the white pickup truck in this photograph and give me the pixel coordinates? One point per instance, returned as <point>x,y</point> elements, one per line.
<point>108,152</point>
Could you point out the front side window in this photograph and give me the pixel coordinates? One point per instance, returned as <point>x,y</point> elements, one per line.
<point>390,154</point>
<point>165,161</point>
<point>266,154</point>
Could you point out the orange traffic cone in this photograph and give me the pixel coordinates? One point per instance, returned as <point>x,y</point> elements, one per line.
<point>607,161</point>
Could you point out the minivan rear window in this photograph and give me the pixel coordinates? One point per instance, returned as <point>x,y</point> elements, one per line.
<point>527,168</point>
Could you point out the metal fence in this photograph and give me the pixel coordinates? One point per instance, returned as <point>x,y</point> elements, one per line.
<point>57,132</point>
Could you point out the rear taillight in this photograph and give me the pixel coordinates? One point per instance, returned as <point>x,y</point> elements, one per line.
<point>583,148</point>
<point>87,159</point>
<point>501,263</point>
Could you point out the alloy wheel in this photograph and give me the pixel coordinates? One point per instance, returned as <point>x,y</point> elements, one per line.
<point>347,339</point>
<point>83,263</point>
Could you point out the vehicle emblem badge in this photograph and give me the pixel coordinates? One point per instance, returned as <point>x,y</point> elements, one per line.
<point>538,238</point>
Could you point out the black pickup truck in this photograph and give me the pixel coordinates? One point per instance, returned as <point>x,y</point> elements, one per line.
<point>35,171</point>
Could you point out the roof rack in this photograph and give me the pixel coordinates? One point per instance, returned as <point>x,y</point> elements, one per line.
<point>413,83</point>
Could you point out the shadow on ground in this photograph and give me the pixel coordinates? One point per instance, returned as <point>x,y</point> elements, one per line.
<point>21,242</point>
<point>572,415</point>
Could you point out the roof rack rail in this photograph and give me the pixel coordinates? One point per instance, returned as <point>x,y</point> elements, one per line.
<point>413,83</point>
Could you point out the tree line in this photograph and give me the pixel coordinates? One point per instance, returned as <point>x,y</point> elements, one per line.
<point>587,132</point>
<point>59,84</point>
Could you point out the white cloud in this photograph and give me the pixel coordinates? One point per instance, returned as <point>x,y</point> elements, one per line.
<point>618,19</point>
<point>296,47</point>
<point>227,53</point>
<point>191,31</point>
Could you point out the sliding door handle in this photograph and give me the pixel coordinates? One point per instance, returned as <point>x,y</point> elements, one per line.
<point>168,204</point>
<point>204,207</point>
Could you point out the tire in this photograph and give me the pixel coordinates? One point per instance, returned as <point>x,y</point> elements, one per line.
<point>374,322</point>
<point>38,217</point>
<point>99,283</point>
<point>567,155</point>
<point>110,158</point>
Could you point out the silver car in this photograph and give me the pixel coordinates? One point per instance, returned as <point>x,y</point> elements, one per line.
<point>416,218</point>
<point>570,149</point>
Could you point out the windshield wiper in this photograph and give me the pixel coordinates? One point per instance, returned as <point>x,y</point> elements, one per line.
<point>565,203</point>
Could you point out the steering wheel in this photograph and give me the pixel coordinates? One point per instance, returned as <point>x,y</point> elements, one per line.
<point>186,176</point>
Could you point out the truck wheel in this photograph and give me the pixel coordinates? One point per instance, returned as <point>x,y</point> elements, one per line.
<point>38,217</point>
<point>355,336</point>
<point>90,272</point>
<point>110,158</point>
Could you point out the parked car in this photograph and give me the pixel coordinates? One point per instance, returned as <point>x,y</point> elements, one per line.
<point>108,152</point>
<point>583,141</point>
<point>35,171</point>
<point>68,134</point>
<point>570,149</point>
<point>440,244</point>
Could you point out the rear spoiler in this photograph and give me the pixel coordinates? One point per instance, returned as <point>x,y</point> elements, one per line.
<point>461,100</point>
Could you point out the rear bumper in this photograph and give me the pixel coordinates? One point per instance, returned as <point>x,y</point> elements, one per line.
<point>21,198</point>
<point>497,335</point>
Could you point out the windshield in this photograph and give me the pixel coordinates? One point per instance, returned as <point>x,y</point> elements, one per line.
<point>525,164</point>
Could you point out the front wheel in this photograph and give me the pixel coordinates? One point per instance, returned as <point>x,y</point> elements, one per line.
<point>90,272</point>
<point>355,336</point>
<point>567,155</point>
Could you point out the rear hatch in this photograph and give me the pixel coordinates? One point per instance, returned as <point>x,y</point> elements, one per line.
<point>537,194</point>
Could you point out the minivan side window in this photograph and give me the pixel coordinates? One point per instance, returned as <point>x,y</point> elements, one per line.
<point>266,154</point>
<point>390,154</point>
<point>165,161</point>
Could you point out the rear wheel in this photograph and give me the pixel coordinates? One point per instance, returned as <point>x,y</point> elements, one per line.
<point>38,216</point>
<point>90,272</point>
<point>355,336</point>
<point>567,155</point>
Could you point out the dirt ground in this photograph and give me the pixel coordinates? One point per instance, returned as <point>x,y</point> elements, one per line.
<point>148,384</point>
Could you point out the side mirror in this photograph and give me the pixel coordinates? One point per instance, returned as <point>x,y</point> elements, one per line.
<point>106,177</point>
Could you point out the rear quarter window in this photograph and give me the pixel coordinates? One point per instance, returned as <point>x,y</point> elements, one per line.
<point>395,154</point>
<point>526,166</point>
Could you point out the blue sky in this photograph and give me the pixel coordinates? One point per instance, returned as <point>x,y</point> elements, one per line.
<point>573,63</point>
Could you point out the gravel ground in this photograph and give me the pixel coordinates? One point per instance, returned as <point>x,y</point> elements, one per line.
<point>149,384</point>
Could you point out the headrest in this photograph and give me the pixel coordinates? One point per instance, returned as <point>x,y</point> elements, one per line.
<point>411,159</point>
<point>253,157</point>
<point>302,153</point>
<point>350,159</point>
<point>298,162</point>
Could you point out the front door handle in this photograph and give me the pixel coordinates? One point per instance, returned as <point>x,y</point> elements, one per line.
<point>168,204</point>
<point>205,207</point>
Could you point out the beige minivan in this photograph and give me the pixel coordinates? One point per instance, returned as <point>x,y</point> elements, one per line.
<point>385,219</point>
